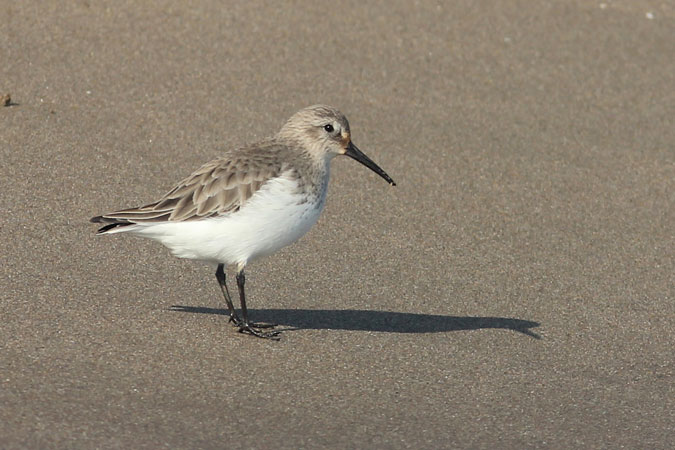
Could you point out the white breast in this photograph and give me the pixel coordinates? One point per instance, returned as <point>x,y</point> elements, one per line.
<point>274,217</point>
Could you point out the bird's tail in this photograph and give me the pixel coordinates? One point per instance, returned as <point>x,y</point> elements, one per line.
<point>111,225</point>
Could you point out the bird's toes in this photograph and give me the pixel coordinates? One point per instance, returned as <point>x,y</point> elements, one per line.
<point>235,320</point>
<point>263,325</point>
<point>254,331</point>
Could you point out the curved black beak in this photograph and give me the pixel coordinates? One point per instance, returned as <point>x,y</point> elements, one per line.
<point>355,153</point>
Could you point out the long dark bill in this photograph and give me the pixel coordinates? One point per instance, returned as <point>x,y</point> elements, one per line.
<point>355,153</point>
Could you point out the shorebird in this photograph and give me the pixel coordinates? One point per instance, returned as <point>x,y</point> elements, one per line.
<point>248,203</point>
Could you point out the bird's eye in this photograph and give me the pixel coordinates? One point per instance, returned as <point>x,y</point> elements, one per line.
<point>328,127</point>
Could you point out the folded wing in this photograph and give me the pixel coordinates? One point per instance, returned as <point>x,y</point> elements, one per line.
<point>218,187</point>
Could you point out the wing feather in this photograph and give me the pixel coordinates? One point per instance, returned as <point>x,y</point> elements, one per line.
<point>218,187</point>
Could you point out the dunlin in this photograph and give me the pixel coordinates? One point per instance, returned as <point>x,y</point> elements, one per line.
<point>248,203</point>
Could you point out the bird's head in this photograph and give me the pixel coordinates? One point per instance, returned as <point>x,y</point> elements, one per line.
<point>324,132</point>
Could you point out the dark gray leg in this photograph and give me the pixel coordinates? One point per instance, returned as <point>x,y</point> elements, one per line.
<point>220,276</point>
<point>246,326</point>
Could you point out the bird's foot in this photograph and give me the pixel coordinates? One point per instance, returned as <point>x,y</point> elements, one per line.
<point>254,330</point>
<point>234,318</point>
<point>262,325</point>
<point>239,323</point>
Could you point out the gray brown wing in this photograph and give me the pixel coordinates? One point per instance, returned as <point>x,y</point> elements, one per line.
<point>218,187</point>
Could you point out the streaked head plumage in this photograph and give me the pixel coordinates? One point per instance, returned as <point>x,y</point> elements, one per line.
<point>318,128</point>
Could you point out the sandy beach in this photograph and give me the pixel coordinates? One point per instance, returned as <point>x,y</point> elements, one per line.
<point>516,289</point>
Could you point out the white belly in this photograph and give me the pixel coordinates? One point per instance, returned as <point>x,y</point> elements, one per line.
<point>274,217</point>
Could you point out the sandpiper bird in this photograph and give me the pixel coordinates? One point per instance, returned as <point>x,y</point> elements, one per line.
<point>248,203</point>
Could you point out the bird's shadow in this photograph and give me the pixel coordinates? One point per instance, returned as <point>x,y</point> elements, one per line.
<point>364,320</point>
